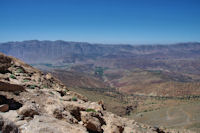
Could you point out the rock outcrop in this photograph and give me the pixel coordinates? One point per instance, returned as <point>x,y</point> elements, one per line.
<point>39,103</point>
<point>7,126</point>
<point>4,107</point>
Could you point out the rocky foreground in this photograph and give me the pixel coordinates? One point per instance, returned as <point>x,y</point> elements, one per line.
<point>34,102</point>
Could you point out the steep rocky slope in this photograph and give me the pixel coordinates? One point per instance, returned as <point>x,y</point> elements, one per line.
<point>32,102</point>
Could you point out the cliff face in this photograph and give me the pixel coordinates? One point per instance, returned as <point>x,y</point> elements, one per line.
<point>32,102</point>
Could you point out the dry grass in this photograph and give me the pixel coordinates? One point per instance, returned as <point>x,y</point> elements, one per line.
<point>169,113</point>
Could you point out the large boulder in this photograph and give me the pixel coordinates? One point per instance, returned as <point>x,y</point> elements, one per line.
<point>76,107</point>
<point>114,124</point>
<point>48,124</point>
<point>7,126</point>
<point>92,121</point>
<point>10,87</point>
<point>28,110</point>
<point>55,107</point>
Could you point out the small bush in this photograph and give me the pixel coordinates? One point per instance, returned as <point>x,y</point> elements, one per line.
<point>45,86</point>
<point>20,70</point>
<point>74,99</point>
<point>51,93</point>
<point>90,110</point>
<point>32,86</point>
<point>12,76</point>
<point>25,80</point>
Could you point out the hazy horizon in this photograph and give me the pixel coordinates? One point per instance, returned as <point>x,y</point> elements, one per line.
<point>99,43</point>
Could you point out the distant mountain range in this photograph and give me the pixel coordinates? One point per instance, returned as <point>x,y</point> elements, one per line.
<point>35,51</point>
<point>129,68</point>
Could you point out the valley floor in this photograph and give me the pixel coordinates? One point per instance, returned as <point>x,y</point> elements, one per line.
<point>171,114</point>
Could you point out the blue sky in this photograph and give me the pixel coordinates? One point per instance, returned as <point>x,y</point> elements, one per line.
<point>101,21</point>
